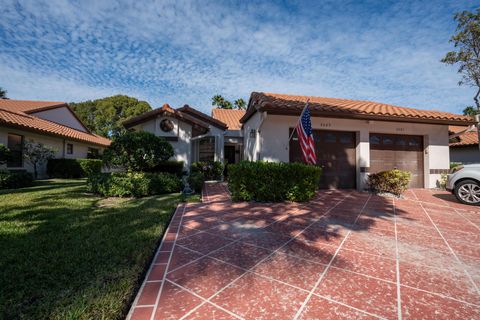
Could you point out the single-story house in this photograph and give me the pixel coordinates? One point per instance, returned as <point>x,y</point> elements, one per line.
<point>352,137</point>
<point>52,123</point>
<point>194,135</point>
<point>464,145</point>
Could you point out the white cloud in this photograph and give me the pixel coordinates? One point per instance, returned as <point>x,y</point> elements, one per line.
<point>167,51</point>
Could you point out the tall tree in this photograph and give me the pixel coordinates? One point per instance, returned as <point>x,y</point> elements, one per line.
<point>105,116</point>
<point>3,93</point>
<point>240,104</point>
<point>220,102</point>
<point>470,111</point>
<point>467,52</point>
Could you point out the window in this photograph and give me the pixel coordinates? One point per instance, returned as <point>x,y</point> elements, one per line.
<point>15,144</point>
<point>387,140</point>
<point>374,139</point>
<point>93,153</point>
<point>206,149</point>
<point>330,137</point>
<point>69,148</point>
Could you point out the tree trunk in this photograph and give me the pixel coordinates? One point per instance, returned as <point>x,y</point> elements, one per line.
<point>35,170</point>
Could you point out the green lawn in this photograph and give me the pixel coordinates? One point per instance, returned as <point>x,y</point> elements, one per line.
<point>65,254</point>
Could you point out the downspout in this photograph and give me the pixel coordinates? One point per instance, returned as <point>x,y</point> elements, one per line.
<point>264,116</point>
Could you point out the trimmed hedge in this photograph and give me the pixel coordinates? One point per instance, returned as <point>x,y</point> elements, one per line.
<point>133,184</point>
<point>394,181</point>
<point>196,180</point>
<point>211,170</point>
<point>271,181</point>
<point>169,166</point>
<point>15,179</point>
<point>73,168</point>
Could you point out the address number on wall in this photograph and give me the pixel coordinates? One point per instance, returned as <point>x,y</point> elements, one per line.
<point>325,125</point>
<point>400,129</point>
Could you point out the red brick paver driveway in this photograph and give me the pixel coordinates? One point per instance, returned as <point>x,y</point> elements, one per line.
<point>344,255</point>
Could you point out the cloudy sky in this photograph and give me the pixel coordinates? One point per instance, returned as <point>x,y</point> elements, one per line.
<point>185,52</point>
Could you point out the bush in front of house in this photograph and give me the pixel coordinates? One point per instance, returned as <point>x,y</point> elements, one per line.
<point>196,181</point>
<point>393,181</point>
<point>15,179</point>
<point>138,151</point>
<point>169,166</point>
<point>211,170</point>
<point>133,184</point>
<point>73,168</point>
<point>271,181</point>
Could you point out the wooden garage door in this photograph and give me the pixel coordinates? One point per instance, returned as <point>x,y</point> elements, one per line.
<point>335,154</point>
<point>404,152</point>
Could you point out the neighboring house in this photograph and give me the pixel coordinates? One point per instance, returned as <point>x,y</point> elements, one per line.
<point>352,137</point>
<point>52,123</point>
<point>464,145</point>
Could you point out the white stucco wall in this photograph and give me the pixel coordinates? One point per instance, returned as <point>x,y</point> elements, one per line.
<point>80,150</point>
<point>62,116</point>
<point>272,140</point>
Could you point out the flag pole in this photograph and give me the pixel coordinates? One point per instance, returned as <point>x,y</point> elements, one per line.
<point>301,114</point>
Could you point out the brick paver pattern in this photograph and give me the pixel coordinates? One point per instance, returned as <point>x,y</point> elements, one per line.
<point>343,255</point>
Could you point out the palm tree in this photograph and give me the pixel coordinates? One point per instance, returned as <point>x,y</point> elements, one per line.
<point>240,104</point>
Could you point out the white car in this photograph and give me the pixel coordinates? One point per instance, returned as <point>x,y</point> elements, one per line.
<point>464,182</point>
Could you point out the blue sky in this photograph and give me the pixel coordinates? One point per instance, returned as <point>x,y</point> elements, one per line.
<point>181,52</point>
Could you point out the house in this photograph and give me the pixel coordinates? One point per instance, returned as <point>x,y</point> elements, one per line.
<point>194,135</point>
<point>464,145</point>
<point>352,137</point>
<point>52,123</point>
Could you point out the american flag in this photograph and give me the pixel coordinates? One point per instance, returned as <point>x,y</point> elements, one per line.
<point>305,137</point>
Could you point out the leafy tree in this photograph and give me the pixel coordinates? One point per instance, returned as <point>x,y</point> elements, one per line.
<point>4,154</point>
<point>138,151</point>
<point>467,53</point>
<point>37,154</point>
<point>240,104</point>
<point>3,93</point>
<point>470,111</point>
<point>105,116</point>
<point>221,102</point>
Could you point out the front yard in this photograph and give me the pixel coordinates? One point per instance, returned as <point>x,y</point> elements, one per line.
<point>68,254</point>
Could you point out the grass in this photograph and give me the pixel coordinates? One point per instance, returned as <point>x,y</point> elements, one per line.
<point>66,254</point>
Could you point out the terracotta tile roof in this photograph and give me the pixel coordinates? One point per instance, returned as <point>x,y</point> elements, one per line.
<point>29,106</point>
<point>164,109</point>
<point>12,116</point>
<point>347,108</point>
<point>465,139</point>
<point>231,117</point>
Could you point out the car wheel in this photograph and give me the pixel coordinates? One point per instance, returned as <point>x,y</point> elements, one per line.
<point>468,192</point>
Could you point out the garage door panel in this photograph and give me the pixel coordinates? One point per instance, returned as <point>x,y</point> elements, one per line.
<point>404,152</point>
<point>336,155</point>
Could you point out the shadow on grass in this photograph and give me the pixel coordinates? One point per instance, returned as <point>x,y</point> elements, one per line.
<point>64,257</point>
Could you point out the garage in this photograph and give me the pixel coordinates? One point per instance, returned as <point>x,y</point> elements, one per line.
<point>335,154</point>
<point>394,151</point>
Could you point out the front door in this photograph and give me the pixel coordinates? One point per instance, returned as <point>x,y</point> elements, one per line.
<point>229,152</point>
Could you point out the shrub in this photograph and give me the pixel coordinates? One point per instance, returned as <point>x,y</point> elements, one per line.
<point>211,170</point>
<point>73,168</point>
<point>270,181</point>
<point>15,179</point>
<point>5,154</point>
<point>133,184</point>
<point>394,181</point>
<point>169,166</point>
<point>196,180</point>
<point>138,151</point>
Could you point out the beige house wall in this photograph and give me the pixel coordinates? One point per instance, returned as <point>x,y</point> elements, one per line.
<point>80,150</point>
<point>271,142</point>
